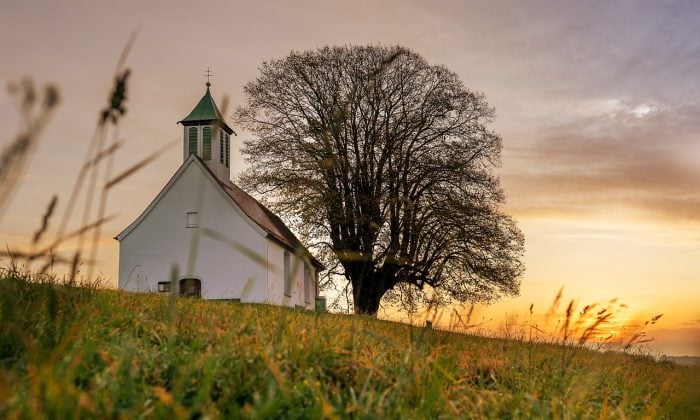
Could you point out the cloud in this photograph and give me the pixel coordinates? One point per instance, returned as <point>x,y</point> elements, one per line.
<point>638,155</point>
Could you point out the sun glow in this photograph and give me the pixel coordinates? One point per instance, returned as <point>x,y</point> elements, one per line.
<point>600,163</point>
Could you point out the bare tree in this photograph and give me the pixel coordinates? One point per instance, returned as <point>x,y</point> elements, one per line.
<point>388,161</point>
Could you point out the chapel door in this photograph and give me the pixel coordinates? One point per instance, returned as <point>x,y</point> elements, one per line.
<point>191,287</point>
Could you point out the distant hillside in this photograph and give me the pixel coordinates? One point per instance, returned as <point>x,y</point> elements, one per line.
<point>683,360</point>
<point>77,352</point>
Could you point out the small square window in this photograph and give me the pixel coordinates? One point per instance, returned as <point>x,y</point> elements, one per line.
<point>192,219</point>
<point>163,286</point>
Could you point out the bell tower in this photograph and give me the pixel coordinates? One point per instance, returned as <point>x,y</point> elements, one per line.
<point>207,135</point>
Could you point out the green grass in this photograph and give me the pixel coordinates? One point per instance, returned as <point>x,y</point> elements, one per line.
<point>86,352</point>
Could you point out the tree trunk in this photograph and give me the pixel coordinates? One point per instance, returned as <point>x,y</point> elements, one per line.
<point>368,305</point>
<point>367,294</point>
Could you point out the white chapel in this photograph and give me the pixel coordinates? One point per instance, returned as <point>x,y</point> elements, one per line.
<point>204,236</point>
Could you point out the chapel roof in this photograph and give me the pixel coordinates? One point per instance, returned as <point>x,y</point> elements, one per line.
<point>252,208</point>
<point>206,111</point>
<point>262,216</point>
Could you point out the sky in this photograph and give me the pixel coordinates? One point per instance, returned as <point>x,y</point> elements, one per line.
<point>598,104</point>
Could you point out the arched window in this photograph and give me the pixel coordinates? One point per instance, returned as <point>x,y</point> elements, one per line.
<point>307,283</point>
<point>287,275</point>
<point>221,146</point>
<point>192,141</point>
<point>191,287</point>
<point>206,143</point>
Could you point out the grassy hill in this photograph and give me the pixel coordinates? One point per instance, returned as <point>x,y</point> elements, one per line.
<point>85,352</point>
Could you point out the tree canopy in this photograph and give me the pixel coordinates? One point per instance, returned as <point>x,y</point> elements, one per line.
<point>388,162</point>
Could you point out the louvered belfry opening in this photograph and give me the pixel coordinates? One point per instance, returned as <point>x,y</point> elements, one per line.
<point>192,141</point>
<point>206,143</point>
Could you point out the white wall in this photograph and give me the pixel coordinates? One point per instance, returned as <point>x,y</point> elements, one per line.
<point>162,240</point>
<point>275,278</point>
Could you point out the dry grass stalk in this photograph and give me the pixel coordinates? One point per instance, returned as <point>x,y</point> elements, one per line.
<point>98,159</point>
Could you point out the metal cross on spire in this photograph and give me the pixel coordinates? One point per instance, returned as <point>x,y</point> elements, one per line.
<point>208,74</point>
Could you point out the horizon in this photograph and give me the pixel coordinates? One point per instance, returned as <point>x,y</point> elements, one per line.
<point>599,111</point>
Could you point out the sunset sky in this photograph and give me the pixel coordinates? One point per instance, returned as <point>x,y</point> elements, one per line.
<point>598,106</point>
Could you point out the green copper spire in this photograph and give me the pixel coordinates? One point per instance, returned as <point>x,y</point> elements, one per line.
<point>206,112</point>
